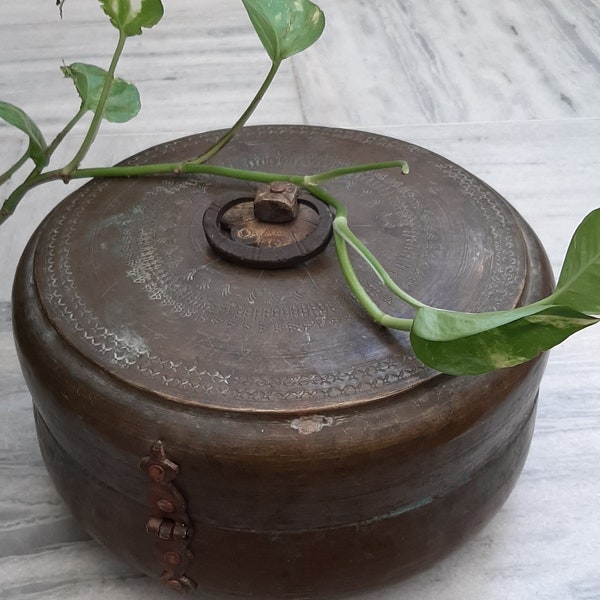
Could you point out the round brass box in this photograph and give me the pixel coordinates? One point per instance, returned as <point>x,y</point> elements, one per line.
<point>288,446</point>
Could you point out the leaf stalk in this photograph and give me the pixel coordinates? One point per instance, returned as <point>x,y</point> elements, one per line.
<point>65,131</point>
<point>361,294</point>
<point>99,112</point>
<point>225,139</point>
<point>12,170</point>
<point>327,175</point>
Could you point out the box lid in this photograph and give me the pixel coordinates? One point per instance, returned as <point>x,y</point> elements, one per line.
<point>125,274</point>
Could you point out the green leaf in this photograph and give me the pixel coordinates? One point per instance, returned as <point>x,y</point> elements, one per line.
<point>18,118</point>
<point>129,16</point>
<point>123,102</point>
<point>470,344</point>
<point>579,282</point>
<point>285,27</point>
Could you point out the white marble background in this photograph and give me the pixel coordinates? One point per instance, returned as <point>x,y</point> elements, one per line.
<point>506,88</point>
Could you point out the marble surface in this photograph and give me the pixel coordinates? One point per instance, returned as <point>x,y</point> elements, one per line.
<point>508,89</point>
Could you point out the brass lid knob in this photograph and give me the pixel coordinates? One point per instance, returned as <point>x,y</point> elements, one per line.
<point>275,229</point>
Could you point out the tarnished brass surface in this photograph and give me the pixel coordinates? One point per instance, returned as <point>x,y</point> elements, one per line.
<point>125,273</point>
<point>316,455</point>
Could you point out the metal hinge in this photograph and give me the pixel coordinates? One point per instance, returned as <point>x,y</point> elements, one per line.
<point>169,522</point>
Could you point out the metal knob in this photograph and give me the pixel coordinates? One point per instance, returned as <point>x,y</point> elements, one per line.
<point>277,228</point>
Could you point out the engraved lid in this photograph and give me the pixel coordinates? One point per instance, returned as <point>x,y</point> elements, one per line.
<point>125,274</point>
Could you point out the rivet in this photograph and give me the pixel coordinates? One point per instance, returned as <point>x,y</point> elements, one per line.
<point>175,584</point>
<point>278,187</point>
<point>172,558</point>
<point>153,525</point>
<point>166,506</point>
<point>156,472</point>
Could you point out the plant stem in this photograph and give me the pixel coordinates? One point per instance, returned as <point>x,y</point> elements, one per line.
<point>67,129</point>
<point>99,112</point>
<point>340,226</point>
<point>8,174</point>
<point>36,179</point>
<point>326,175</point>
<point>188,169</point>
<point>8,208</point>
<point>361,295</point>
<point>241,121</point>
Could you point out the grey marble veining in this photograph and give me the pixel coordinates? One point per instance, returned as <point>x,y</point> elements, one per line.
<point>394,61</point>
<point>508,89</point>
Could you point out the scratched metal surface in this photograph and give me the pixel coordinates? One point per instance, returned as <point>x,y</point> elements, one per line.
<point>125,274</point>
<point>510,92</point>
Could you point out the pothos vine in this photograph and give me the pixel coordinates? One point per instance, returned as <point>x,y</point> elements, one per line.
<point>449,341</point>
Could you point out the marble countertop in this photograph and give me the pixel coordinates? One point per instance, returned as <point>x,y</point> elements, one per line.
<point>508,89</point>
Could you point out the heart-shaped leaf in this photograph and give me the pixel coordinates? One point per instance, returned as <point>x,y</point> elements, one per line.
<point>130,16</point>
<point>470,344</point>
<point>285,27</point>
<point>123,102</point>
<point>579,282</point>
<point>18,118</point>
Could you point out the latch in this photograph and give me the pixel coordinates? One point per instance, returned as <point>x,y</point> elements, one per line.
<point>169,522</point>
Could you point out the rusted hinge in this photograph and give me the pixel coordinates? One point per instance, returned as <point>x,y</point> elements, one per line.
<point>169,522</point>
